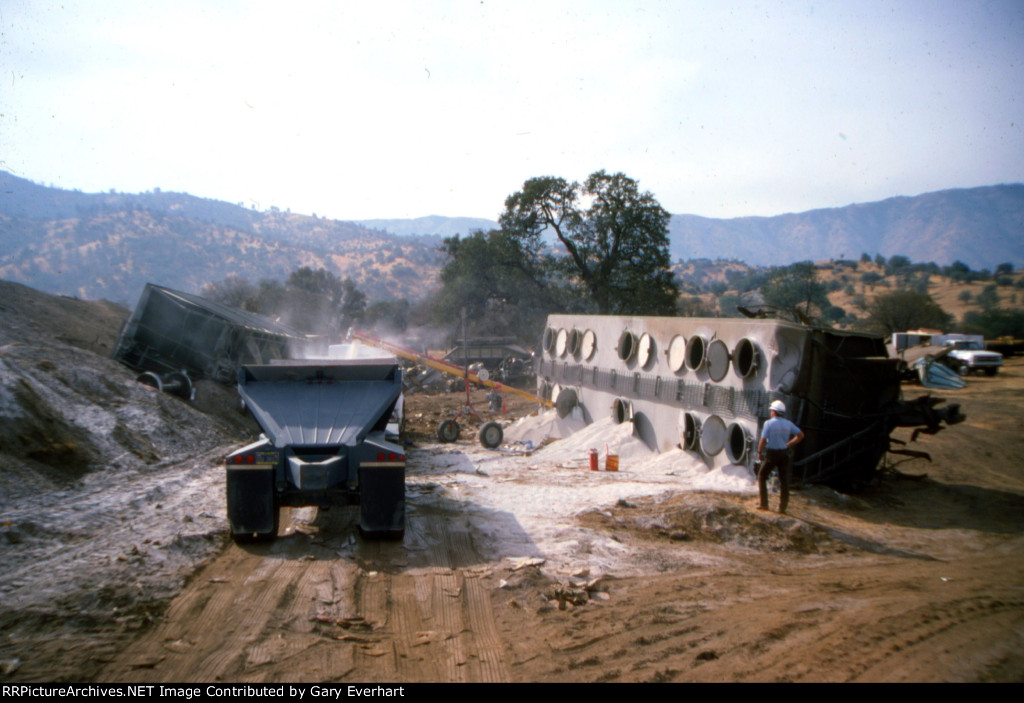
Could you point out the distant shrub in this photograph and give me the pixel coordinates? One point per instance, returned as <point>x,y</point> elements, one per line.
<point>727,305</point>
<point>988,298</point>
<point>835,314</point>
<point>896,263</point>
<point>994,323</point>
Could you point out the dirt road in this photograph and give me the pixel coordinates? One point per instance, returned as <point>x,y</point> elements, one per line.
<point>321,605</point>
<point>919,578</point>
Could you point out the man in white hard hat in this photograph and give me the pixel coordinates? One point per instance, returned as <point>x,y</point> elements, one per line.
<point>777,436</point>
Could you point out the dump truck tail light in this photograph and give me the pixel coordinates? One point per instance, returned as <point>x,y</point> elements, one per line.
<point>255,456</point>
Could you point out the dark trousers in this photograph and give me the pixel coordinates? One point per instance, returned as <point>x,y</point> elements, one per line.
<point>777,459</point>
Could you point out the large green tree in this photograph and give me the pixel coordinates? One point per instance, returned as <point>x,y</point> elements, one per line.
<point>906,309</point>
<point>614,238</point>
<point>504,286</point>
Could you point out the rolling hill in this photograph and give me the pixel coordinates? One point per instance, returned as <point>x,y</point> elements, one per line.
<point>108,245</point>
<point>982,227</point>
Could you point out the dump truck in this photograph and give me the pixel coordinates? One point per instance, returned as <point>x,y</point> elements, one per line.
<point>323,444</point>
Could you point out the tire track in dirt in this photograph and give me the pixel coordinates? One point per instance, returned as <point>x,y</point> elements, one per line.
<point>861,620</point>
<point>328,607</point>
<point>436,625</point>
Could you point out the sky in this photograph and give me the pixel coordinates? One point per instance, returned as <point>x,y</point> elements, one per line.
<point>399,109</point>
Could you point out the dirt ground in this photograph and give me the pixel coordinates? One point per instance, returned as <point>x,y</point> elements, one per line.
<point>918,578</point>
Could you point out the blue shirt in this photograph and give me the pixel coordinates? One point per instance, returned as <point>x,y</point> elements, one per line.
<point>777,431</point>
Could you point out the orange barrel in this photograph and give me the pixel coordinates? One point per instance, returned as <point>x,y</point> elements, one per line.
<point>611,462</point>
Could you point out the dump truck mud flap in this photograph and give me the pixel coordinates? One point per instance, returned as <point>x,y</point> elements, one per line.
<point>252,509</point>
<point>382,501</point>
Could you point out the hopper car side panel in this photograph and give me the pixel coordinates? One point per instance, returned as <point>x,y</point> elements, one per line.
<point>703,386</point>
<point>173,331</point>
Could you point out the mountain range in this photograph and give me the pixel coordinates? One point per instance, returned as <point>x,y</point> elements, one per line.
<point>108,245</point>
<point>982,227</point>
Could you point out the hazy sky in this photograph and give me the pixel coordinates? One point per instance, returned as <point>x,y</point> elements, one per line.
<point>357,110</point>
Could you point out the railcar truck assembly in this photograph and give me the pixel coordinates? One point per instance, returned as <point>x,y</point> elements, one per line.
<point>323,444</point>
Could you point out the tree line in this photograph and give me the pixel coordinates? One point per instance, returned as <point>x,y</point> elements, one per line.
<point>315,302</point>
<point>601,246</point>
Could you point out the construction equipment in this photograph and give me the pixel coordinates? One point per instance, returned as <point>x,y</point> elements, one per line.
<point>448,430</point>
<point>446,367</point>
<point>323,444</point>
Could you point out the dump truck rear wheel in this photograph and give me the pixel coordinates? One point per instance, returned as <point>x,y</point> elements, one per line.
<point>245,538</point>
<point>253,507</point>
<point>491,435</point>
<point>383,535</point>
<point>382,503</point>
<point>448,431</point>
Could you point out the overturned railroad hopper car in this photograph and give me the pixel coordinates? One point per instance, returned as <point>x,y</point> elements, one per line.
<point>323,444</point>
<point>172,332</point>
<point>703,386</point>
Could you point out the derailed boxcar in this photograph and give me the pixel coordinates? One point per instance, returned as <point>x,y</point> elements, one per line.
<point>703,386</point>
<point>324,444</point>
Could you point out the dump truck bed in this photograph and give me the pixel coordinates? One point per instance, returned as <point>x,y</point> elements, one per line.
<point>324,444</point>
<point>303,404</point>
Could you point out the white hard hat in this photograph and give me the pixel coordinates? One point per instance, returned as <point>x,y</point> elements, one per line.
<point>778,406</point>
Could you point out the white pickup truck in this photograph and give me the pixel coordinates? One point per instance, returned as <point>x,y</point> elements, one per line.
<point>969,354</point>
<point>966,354</point>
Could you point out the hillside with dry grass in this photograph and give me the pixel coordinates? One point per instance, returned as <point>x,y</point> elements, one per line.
<point>710,288</point>
<point>112,255</point>
<point>955,297</point>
